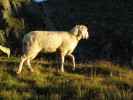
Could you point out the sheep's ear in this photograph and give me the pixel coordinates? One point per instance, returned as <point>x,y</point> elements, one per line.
<point>75,30</point>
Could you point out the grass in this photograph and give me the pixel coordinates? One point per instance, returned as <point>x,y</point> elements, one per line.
<point>100,80</point>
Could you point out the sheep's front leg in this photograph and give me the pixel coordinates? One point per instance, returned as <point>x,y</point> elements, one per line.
<point>62,62</point>
<point>21,65</point>
<point>73,60</point>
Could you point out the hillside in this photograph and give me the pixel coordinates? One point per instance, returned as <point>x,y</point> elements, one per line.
<point>92,80</point>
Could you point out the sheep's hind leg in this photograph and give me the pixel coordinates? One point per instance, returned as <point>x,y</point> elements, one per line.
<point>29,65</point>
<point>23,59</point>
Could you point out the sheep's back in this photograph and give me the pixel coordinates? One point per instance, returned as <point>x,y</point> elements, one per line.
<point>46,40</point>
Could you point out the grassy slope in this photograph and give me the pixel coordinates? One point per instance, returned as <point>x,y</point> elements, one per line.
<point>90,81</point>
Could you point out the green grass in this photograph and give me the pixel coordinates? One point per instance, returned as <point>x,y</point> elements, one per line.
<point>90,81</point>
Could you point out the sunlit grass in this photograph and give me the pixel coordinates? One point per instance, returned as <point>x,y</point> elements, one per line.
<point>89,81</point>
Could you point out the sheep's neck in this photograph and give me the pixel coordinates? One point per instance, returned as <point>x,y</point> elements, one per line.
<point>78,38</point>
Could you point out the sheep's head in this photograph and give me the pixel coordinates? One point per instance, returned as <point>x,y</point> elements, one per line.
<point>81,31</point>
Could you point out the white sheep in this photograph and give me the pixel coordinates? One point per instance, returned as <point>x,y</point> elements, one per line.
<point>5,50</point>
<point>61,42</point>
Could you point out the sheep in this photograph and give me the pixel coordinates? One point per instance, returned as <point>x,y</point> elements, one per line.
<point>61,42</point>
<point>5,50</point>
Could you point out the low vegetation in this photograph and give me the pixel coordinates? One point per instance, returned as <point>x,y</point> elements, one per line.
<point>99,80</point>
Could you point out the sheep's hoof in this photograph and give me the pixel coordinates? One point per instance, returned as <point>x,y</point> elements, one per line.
<point>62,70</point>
<point>18,72</point>
<point>31,70</point>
